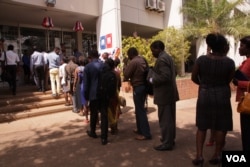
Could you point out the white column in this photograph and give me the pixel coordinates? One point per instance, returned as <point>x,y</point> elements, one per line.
<point>201,47</point>
<point>172,15</point>
<point>109,26</point>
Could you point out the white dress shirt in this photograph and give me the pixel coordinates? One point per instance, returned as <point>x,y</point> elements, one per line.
<point>12,58</point>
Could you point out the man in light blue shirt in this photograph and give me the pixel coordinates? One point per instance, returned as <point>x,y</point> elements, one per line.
<point>37,66</point>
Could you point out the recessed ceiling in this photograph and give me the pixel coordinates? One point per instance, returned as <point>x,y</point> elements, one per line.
<point>33,16</point>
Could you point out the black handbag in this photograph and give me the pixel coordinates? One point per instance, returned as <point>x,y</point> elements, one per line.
<point>149,85</point>
<point>5,76</point>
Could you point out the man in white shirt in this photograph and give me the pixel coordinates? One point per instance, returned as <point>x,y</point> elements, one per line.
<point>46,70</point>
<point>1,46</point>
<point>10,64</point>
<point>1,52</point>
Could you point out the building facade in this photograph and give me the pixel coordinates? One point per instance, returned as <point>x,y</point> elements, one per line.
<point>104,22</point>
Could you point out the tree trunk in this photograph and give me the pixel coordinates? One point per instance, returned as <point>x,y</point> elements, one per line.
<point>181,69</point>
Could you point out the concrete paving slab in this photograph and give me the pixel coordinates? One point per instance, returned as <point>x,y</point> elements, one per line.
<point>60,140</point>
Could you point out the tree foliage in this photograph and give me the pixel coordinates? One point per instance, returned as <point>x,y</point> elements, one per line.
<point>175,44</point>
<point>141,44</point>
<point>210,16</point>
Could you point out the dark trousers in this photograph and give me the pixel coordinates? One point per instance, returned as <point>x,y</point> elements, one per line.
<point>139,97</point>
<point>94,109</point>
<point>40,76</point>
<point>12,69</point>
<point>167,122</point>
<point>245,131</point>
<point>104,119</point>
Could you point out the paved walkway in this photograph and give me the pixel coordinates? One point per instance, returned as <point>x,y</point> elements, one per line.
<point>59,140</point>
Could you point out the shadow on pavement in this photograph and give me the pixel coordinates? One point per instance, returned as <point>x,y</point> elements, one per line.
<point>67,145</point>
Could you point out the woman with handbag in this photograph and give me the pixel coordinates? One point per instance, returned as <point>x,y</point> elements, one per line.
<point>242,84</point>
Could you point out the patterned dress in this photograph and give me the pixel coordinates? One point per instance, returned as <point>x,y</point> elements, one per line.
<point>214,110</point>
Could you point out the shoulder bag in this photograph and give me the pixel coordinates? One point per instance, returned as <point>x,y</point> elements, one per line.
<point>244,104</point>
<point>5,76</point>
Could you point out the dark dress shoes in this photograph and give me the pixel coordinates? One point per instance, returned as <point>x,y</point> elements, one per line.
<point>104,141</point>
<point>163,147</point>
<point>162,141</point>
<point>93,135</point>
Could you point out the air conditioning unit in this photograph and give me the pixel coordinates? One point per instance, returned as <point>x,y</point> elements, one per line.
<point>150,4</point>
<point>50,3</point>
<point>160,5</point>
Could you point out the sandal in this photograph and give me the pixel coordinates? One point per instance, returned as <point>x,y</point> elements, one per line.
<point>67,104</point>
<point>81,113</point>
<point>198,161</point>
<point>210,143</point>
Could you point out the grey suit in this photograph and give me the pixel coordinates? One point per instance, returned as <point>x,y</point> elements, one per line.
<point>165,96</point>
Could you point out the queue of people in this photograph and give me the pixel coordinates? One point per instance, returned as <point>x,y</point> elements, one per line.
<point>213,73</point>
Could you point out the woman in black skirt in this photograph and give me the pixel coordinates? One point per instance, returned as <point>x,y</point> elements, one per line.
<point>213,73</point>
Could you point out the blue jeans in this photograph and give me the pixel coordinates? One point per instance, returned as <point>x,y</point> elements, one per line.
<point>139,97</point>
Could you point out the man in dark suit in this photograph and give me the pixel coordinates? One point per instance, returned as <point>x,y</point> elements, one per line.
<point>91,80</point>
<point>165,94</point>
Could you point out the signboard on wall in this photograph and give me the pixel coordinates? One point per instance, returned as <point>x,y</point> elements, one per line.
<point>106,41</point>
